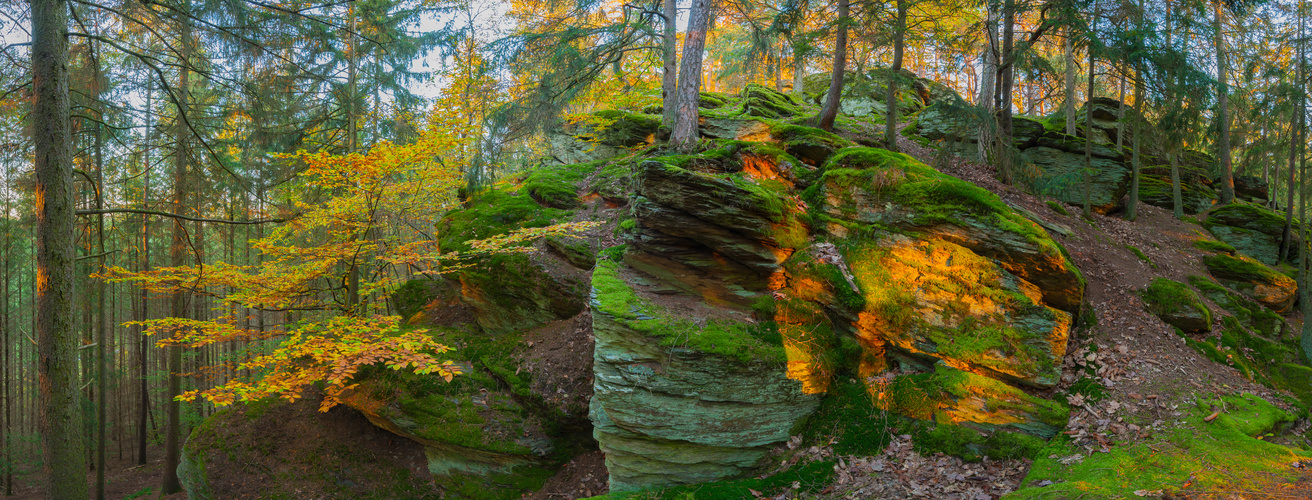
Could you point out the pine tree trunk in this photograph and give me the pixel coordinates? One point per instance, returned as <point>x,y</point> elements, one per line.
<point>1177,197</point>
<point>989,58</point>
<point>899,41</point>
<point>1304,252</point>
<point>143,349</point>
<point>685,137</point>
<point>1088,122</point>
<point>1068,51</point>
<point>799,73</point>
<point>1132,211</point>
<point>6,453</point>
<point>1223,118</point>
<point>177,254</point>
<point>829,112</point>
<point>62,442</point>
<point>669,81</point>
<point>1296,133</point>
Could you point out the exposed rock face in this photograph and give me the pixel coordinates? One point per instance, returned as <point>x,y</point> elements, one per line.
<point>1063,178</point>
<point>1253,230</point>
<point>667,411</point>
<point>720,326</point>
<point>1196,198</point>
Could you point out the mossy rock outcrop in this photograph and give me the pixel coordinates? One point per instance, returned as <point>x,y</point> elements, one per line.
<point>1157,191</point>
<point>749,284</point>
<point>1253,230</point>
<point>515,292</point>
<point>1177,305</point>
<point>1063,177</point>
<point>1256,341</point>
<point>603,135</point>
<point>1255,280</point>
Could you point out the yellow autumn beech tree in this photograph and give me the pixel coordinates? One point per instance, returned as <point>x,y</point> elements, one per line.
<point>344,244</point>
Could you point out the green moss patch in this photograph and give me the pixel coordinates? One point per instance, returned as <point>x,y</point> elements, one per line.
<point>1142,256</point>
<point>1214,246</point>
<point>1241,268</point>
<point>1225,454</point>
<point>495,212</point>
<point>745,342</point>
<point>1177,305</point>
<point>557,186</point>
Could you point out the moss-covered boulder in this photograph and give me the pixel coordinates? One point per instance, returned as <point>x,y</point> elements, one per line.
<point>765,102</point>
<point>604,134</point>
<point>1255,280</point>
<point>1251,314</point>
<point>1218,444</point>
<point>1177,305</point>
<point>1251,229</point>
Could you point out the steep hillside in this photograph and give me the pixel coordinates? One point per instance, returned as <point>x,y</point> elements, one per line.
<point>790,313</point>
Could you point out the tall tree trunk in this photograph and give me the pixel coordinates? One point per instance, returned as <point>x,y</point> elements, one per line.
<point>1088,121</point>
<point>1286,236</point>
<point>989,59</point>
<point>177,254</point>
<point>684,137</point>
<point>669,81</point>
<point>1305,341</point>
<point>143,344</point>
<point>829,112</point>
<point>1068,53</point>
<point>1006,84</point>
<point>899,41</point>
<point>102,375</point>
<point>353,277</point>
<point>1223,118</point>
<point>1173,138</point>
<point>6,453</point>
<point>799,73</point>
<point>1132,211</point>
<point>63,443</point>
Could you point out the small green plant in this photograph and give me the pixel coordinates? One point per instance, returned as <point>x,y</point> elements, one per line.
<point>1142,256</point>
<point>1056,206</point>
<point>141,493</point>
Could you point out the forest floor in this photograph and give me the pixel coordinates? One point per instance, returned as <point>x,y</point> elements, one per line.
<point>124,479</point>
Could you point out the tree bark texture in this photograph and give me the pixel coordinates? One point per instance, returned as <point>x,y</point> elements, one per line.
<point>829,112</point>
<point>669,80</point>
<point>63,443</point>
<point>899,42</point>
<point>684,137</point>
<point>177,254</point>
<point>1223,118</point>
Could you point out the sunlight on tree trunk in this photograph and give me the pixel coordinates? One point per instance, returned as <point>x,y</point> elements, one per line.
<point>684,138</point>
